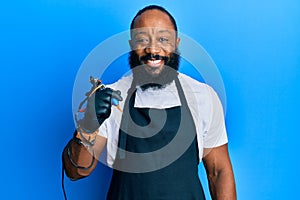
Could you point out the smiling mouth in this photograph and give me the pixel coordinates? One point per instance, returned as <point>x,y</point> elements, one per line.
<point>154,63</point>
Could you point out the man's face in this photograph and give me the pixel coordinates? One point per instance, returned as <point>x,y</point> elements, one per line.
<point>153,41</point>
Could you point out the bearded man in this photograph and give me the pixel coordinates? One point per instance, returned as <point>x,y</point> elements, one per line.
<point>170,122</point>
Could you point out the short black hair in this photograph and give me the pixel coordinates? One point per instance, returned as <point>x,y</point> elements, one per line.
<point>153,7</point>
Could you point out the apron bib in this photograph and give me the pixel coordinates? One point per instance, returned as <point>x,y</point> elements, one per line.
<point>177,181</point>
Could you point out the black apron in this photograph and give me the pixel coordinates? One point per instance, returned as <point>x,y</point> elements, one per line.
<point>177,181</point>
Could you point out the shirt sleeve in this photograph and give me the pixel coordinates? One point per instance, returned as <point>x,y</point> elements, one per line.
<point>216,133</point>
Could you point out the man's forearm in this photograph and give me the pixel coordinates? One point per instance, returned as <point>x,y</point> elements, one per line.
<point>222,185</point>
<point>79,161</point>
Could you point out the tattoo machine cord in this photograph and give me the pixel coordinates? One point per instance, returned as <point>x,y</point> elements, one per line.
<point>96,84</point>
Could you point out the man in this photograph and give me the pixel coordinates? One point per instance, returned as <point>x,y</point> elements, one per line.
<point>169,123</point>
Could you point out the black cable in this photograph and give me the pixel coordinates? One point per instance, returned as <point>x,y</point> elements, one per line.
<point>67,148</point>
<point>63,178</point>
<point>78,141</point>
<point>96,83</point>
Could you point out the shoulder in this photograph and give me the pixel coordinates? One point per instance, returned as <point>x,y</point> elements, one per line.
<point>201,94</point>
<point>194,85</point>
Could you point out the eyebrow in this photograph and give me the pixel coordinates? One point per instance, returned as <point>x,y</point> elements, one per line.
<point>160,31</point>
<point>140,32</point>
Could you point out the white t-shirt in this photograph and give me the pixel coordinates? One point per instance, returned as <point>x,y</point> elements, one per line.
<point>203,102</point>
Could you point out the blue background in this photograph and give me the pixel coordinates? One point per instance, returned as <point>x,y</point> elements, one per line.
<point>255,45</point>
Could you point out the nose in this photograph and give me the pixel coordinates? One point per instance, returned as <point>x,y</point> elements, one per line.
<point>153,48</point>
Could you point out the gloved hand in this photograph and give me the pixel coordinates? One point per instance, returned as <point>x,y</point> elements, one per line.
<point>98,109</point>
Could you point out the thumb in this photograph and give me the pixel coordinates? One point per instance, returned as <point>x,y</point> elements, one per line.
<point>117,95</point>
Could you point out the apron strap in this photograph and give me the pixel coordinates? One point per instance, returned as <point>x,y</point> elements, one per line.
<point>124,123</point>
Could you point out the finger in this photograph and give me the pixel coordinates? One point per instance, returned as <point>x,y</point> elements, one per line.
<point>103,113</point>
<point>117,95</point>
<point>118,92</point>
<point>104,96</point>
<point>105,91</point>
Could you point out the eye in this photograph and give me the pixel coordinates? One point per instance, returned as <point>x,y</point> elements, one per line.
<point>142,40</point>
<point>163,39</point>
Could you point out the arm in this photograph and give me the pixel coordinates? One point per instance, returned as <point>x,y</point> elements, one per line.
<point>219,173</point>
<point>82,156</point>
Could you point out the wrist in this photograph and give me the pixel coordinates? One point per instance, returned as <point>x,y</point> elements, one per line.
<point>86,139</point>
<point>88,125</point>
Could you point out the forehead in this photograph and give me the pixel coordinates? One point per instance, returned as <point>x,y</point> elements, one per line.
<point>154,18</point>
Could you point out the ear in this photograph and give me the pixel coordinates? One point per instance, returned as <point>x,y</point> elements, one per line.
<point>130,44</point>
<point>177,42</point>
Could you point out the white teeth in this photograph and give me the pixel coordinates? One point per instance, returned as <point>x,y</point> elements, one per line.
<point>154,61</point>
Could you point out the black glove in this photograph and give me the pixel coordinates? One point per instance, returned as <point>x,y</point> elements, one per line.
<point>98,109</point>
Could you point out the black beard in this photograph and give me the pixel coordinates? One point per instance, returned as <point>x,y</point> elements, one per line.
<point>145,80</point>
